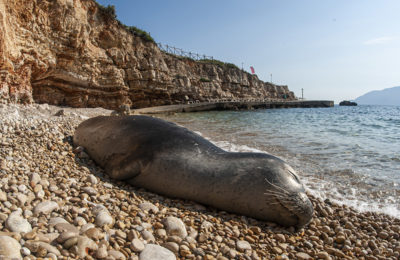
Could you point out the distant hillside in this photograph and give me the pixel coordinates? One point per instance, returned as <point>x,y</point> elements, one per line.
<point>388,96</point>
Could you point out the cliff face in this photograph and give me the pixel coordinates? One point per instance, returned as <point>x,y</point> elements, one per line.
<point>70,52</point>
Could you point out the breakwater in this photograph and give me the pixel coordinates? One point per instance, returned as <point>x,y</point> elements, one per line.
<point>234,105</point>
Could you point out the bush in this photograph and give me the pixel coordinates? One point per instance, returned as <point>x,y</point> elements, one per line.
<point>231,66</point>
<point>215,62</point>
<point>107,12</point>
<point>140,33</point>
<point>110,13</point>
<point>220,63</point>
<point>177,56</point>
<point>204,80</point>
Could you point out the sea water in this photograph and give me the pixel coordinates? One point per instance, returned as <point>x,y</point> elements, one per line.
<point>350,155</point>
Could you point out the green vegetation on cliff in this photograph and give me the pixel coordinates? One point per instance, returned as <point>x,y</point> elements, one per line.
<point>205,80</point>
<point>220,63</point>
<point>140,33</point>
<point>108,12</point>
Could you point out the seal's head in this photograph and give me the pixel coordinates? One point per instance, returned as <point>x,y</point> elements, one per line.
<point>284,189</point>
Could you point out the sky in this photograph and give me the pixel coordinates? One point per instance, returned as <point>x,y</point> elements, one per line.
<point>332,49</point>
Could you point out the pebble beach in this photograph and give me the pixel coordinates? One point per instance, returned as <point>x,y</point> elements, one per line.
<point>56,203</point>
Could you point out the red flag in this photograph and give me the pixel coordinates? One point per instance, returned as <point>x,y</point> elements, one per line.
<point>252,70</point>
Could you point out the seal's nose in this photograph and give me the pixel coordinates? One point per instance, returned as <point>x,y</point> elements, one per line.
<point>305,210</point>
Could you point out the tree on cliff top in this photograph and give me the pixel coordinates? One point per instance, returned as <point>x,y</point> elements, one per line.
<point>108,12</point>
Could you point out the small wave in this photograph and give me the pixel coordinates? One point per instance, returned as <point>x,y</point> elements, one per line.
<point>317,144</point>
<point>199,133</point>
<point>393,121</point>
<point>395,159</point>
<point>360,201</point>
<point>372,126</point>
<point>230,147</point>
<point>338,131</point>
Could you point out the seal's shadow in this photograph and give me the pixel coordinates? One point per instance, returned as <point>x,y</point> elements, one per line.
<point>171,204</point>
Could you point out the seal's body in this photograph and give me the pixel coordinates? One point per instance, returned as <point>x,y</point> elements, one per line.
<point>171,160</point>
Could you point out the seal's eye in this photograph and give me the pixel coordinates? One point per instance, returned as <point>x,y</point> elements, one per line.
<point>294,176</point>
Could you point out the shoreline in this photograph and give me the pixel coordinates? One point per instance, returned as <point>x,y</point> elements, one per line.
<point>34,140</point>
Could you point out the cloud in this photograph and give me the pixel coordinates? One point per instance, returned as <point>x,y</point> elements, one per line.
<point>380,40</point>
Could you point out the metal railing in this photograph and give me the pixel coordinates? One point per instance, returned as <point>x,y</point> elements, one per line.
<point>180,52</point>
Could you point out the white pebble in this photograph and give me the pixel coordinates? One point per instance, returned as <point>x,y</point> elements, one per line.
<point>16,223</point>
<point>104,218</point>
<point>242,245</point>
<point>175,227</point>
<point>92,179</point>
<point>9,247</point>
<point>156,252</point>
<point>45,207</point>
<point>25,251</point>
<point>137,245</point>
<point>35,178</point>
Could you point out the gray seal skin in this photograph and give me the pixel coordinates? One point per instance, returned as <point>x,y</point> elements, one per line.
<point>173,161</point>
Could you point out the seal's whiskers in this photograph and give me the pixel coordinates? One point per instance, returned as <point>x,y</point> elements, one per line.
<point>276,194</point>
<point>275,186</point>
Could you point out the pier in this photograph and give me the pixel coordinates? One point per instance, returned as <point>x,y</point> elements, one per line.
<point>234,105</point>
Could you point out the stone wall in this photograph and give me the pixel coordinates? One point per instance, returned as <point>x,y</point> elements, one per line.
<point>70,52</point>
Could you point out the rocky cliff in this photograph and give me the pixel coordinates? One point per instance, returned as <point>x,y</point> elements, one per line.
<point>71,52</point>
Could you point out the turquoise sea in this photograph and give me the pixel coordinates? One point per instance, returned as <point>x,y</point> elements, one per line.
<point>350,155</point>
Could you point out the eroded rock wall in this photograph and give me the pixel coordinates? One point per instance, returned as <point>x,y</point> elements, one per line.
<point>69,52</point>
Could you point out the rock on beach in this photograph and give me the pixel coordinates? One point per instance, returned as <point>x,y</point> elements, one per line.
<point>175,226</point>
<point>16,223</point>
<point>45,207</point>
<point>156,252</point>
<point>103,217</point>
<point>9,247</point>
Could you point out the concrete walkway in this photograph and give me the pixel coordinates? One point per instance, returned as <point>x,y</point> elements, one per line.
<point>233,105</point>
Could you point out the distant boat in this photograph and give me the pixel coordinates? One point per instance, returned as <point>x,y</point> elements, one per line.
<point>347,103</point>
<point>388,96</point>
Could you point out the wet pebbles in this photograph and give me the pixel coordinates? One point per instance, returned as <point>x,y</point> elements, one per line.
<point>55,203</point>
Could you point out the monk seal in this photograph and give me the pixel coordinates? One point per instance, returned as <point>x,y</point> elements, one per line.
<point>173,161</point>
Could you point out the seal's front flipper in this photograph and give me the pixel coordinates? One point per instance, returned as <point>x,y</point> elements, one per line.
<point>122,167</point>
